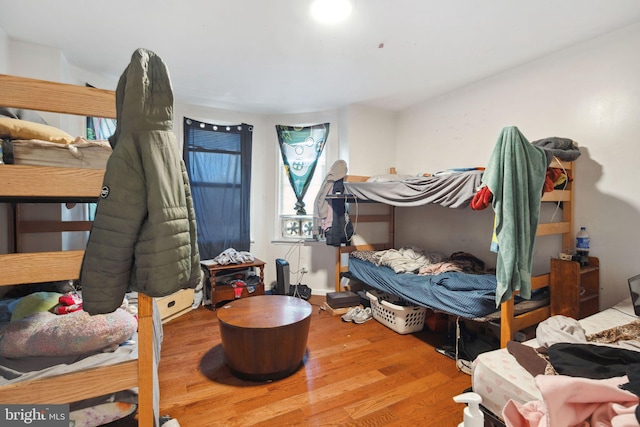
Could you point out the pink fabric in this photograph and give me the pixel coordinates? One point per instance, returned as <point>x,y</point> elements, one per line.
<point>569,401</point>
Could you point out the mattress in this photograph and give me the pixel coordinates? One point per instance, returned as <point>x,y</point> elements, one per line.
<point>81,154</point>
<point>497,377</point>
<point>467,295</point>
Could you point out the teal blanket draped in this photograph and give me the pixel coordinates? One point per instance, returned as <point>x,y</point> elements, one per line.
<point>515,176</point>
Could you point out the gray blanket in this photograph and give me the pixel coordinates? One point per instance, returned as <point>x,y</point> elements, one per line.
<point>563,148</point>
<point>453,191</point>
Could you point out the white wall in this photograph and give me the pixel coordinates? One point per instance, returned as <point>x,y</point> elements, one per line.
<point>370,140</point>
<point>37,62</point>
<point>589,93</point>
<point>4,52</point>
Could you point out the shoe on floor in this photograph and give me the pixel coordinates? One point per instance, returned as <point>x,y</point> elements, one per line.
<point>363,316</point>
<point>349,315</point>
<point>464,366</point>
<point>167,421</point>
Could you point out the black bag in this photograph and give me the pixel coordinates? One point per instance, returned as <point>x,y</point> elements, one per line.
<point>300,291</point>
<point>341,228</point>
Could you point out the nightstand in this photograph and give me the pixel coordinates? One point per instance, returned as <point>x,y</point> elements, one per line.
<point>225,292</point>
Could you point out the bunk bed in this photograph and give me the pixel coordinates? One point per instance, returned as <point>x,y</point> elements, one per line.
<point>38,184</point>
<point>511,317</point>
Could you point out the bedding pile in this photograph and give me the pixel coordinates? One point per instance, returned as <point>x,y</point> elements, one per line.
<point>561,376</point>
<point>604,367</point>
<point>415,260</point>
<point>46,333</point>
<point>454,291</point>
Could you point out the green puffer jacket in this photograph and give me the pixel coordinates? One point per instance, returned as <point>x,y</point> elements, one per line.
<point>144,234</point>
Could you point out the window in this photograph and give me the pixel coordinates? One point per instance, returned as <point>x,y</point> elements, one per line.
<point>218,161</point>
<point>294,224</point>
<point>99,128</point>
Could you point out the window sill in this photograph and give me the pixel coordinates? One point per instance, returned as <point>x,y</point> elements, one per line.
<point>305,242</point>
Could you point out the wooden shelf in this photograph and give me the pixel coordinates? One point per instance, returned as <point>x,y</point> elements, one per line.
<point>224,292</point>
<point>575,290</point>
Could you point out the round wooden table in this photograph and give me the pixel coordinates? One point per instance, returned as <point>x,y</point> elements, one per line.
<point>264,337</point>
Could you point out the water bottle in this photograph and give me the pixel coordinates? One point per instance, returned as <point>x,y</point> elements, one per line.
<point>582,246</point>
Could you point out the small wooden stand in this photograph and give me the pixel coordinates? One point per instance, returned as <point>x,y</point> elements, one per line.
<point>575,289</point>
<point>224,292</point>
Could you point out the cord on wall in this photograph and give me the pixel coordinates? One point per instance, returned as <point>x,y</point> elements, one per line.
<point>300,270</point>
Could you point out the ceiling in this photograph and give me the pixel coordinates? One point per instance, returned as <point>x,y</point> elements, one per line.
<point>270,57</point>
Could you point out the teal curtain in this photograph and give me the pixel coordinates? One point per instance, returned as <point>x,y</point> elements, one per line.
<point>300,148</point>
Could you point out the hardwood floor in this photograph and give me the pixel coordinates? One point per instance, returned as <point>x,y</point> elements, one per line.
<point>353,375</point>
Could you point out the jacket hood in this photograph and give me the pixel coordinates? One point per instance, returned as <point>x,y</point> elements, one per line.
<point>144,96</point>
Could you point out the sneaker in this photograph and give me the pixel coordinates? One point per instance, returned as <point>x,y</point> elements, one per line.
<point>464,366</point>
<point>349,315</point>
<point>363,316</point>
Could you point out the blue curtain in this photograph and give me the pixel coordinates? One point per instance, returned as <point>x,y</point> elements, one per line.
<point>300,148</point>
<point>218,161</point>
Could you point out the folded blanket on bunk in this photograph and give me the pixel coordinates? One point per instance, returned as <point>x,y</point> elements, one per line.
<point>563,148</point>
<point>515,176</point>
<point>82,153</point>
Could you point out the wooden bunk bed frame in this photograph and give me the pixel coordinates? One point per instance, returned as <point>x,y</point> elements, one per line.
<point>510,322</point>
<point>39,183</point>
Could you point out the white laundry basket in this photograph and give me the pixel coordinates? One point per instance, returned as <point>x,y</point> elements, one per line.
<point>388,310</point>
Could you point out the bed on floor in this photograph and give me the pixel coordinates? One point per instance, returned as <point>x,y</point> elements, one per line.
<point>35,369</point>
<point>498,377</point>
<point>448,292</point>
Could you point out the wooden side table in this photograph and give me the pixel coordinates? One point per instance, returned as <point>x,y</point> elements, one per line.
<point>264,338</point>
<point>224,292</point>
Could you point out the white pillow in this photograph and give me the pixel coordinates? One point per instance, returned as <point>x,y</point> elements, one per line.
<point>24,129</point>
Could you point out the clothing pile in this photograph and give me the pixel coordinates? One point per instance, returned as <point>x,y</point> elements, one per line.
<point>232,256</point>
<point>592,379</point>
<point>68,303</point>
<point>416,260</point>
